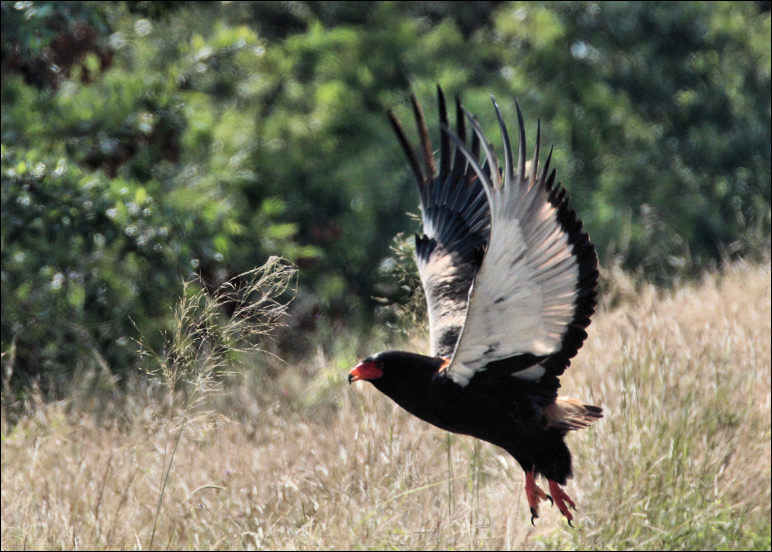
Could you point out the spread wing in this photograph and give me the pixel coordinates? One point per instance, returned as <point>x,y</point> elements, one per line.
<point>534,293</point>
<point>456,223</point>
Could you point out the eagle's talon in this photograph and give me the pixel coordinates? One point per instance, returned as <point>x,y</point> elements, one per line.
<point>562,501</point>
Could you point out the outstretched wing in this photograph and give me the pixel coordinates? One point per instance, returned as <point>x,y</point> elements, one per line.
<point>456,223</point>
<point>535,290</point>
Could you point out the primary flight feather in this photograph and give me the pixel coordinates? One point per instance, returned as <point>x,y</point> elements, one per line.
<point>510,281</point>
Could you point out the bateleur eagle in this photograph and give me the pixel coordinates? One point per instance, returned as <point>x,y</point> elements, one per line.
<point>510,282</point>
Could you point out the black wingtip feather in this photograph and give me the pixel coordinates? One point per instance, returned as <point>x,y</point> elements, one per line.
<point>475,145</point>
<point>423,133</point>
<point>491,166</point>
<point>521,144</point>
<point>459,161</point>
<point>408,149</point>
<point>504,138</point>
<point>444,140</point>
<point>535,161</point>
<point>460,122</point>
<point>546,167</point>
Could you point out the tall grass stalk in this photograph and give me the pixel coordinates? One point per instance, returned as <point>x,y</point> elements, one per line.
<point>207,342</point>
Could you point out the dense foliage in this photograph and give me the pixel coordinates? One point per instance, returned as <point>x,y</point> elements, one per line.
<point>145,141</point>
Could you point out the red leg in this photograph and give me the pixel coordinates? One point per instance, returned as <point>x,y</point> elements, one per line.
<point>561,498</point>
<point>534,494</point>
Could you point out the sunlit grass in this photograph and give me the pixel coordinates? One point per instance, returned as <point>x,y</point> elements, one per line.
<point>303,460</point>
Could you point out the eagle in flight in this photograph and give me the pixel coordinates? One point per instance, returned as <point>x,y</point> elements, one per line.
<point>510,280</point>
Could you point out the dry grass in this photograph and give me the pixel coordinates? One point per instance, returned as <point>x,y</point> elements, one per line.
<point>303,461</point>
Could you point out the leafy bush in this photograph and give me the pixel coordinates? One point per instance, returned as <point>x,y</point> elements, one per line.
<point>85,260</point>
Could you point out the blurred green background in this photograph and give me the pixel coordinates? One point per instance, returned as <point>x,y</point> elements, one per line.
<point>143,142</point>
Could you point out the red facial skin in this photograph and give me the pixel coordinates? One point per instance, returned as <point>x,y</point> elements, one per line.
<point>365,371</point>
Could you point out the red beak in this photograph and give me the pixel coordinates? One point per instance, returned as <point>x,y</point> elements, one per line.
<point>365,371</point>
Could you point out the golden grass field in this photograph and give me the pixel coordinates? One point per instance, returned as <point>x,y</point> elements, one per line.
<point>301,460</point>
